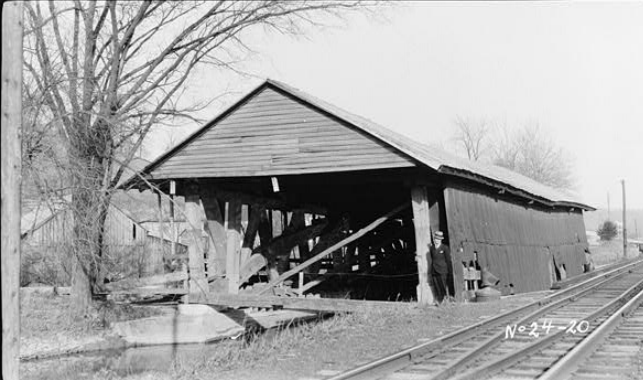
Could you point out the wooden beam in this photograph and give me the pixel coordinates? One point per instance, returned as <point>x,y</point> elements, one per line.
<point>455,243</point>
<point>333,248</point>
<point>304,246</point>
<point>298,222</point>
<point>160,279</point>
<point>158,291</point>
<point>277,256</point>
<point>274,203</point>
<point>251,267</point>
<point>198,282</point>
<point>265,236</point>
<point>321,278</point>
<point>254,218</point>
<point>11,178</point>
<point>234,246</point>
<point>174,236</point>
<point>218,241</point>
<point>422,225</point>
<point>282,245</point>
<point>336,234</point>
<point>301,303</point>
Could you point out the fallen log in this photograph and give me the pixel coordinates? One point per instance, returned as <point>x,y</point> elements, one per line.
<point>160,279</point>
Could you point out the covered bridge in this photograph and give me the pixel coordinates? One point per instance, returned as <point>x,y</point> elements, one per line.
<point>335,196</point>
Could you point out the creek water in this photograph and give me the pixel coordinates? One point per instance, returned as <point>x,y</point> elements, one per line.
<point>114,364</point>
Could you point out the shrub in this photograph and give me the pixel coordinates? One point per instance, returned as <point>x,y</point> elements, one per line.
<point>46,265</point>
<point>607,231</point>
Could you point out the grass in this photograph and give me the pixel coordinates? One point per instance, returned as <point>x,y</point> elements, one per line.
<point>335,343</point>
<point>41,314</point>
<point>608,252</point>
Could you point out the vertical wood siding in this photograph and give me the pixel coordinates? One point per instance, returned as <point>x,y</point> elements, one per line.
<point>515,242</point>
<point>123,237</point>
<point>59,229</point>
<point>274,134</point>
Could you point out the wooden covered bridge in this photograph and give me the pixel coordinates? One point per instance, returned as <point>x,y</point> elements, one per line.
<point>330,200</point>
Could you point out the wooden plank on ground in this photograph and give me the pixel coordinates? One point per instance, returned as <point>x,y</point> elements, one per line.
<point>151,280</point>
<point>301,303</point>
<point>334,247</point>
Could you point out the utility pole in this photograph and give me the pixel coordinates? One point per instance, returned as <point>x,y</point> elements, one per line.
<point>11,178</point>
<point>608,207</point>
<point>624,221</point>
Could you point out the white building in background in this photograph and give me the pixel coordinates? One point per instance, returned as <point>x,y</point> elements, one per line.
<point>619,228</point>
<point>592,237</point>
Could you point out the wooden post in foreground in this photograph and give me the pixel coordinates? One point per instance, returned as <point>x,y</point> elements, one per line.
<point>624,222</point>
<point>11,168</point>
<point>422,226</point>
<point>197,280</point>
<point>233,240</point>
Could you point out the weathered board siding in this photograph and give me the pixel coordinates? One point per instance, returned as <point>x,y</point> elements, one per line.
<point>274,134</point>
<point>517,243</point>
<point>127,244</point>
<point>121,230</point>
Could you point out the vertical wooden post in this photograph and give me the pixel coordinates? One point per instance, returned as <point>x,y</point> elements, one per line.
<point>282,258</point>
<point>215,215</point>
<point>624,221</point>
<point>159,201</point>
<point>254,218</point>
<point>455,243</point>
<point>422,223</point>
<point>11,169</point>
<point>172,224</point>
<point>233,235</point>
<point>198,282</point>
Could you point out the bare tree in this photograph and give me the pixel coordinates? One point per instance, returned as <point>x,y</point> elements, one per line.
<point>472,135</point>
<point>109,72</point>
<point>530,152</point>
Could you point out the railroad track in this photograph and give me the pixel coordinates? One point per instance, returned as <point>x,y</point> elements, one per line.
<point>527,343</point>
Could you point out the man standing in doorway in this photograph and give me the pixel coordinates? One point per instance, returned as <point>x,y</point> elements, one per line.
<point>441,267</point>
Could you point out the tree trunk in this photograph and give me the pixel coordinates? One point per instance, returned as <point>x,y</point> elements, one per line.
<point>89,161</point>
<point>89,206</point>
<point>81,291</point>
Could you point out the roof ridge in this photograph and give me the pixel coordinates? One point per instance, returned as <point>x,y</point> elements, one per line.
<point>435,158</point>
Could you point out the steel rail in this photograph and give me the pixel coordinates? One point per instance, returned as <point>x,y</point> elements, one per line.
<point>512,358</point>
<point>480,350</point>
<point>404,357</point>
<point>570,362</point>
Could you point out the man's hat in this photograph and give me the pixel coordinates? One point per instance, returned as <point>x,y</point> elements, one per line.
<point>438,235</point>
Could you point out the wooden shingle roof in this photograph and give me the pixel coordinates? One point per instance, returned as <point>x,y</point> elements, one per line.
<point>277,130</point>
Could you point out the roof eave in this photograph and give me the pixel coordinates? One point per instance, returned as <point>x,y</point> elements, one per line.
<point>510,189</point>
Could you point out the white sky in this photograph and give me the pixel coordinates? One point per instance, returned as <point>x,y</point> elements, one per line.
<point>576,68</point>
